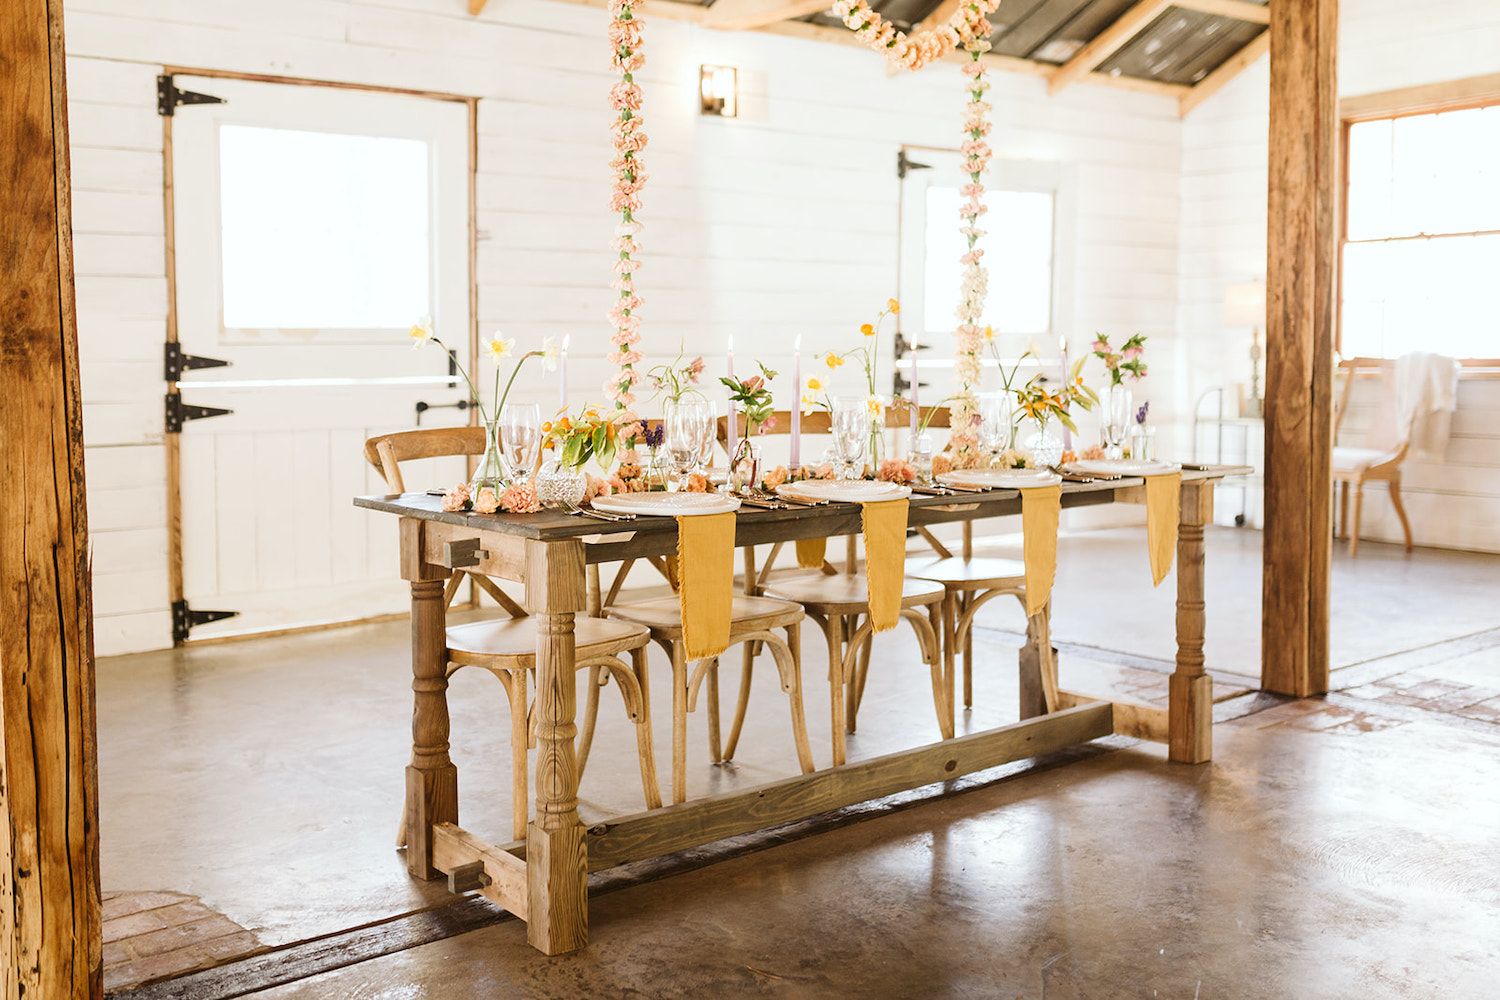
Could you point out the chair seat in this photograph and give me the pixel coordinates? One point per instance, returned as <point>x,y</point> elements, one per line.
<point>843,594</point>
<point>746,614</point>
<point>968,574</point>
<point>514,640</point>
<point>1356,460</point>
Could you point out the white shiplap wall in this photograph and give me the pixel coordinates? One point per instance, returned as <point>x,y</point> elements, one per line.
<point>782,221</point>
<point>1455,503</point>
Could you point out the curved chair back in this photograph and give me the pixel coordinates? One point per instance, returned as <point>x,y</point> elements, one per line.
<point>387,451</point>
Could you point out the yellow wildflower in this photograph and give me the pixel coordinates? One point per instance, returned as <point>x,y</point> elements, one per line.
<point>813,385</point>
<point>867,330</point>
<point>893,305</point>
<point>989,333</point>
<point>832,360</point>
<point>499,348</point>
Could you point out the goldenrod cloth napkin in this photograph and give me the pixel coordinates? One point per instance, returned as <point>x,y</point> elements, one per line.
<point>1040,509</point>
<point>811,552</point>
<point>885,560</point>
<point>1162,500</point>
<point>705,567</point>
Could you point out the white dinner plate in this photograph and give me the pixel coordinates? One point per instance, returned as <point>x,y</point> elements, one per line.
<point>1000,479</point>
<point>1122,467</point>
<point>843,490</point>
<point>667,504</point>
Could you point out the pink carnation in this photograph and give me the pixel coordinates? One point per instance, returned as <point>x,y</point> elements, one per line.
<point>520,498</point>
<point>456,499</point>
<point>625,96</point>
<point>1131,353</point>
<point>941,464</point>
<point>697,483</point>
<point>895,470</point>
<point>485,501</point>
<point>776,477</point>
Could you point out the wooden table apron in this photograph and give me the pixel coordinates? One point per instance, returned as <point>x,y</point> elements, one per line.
<point>544,880</point>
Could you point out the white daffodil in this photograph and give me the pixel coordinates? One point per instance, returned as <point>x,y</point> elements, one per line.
<point>499,348</point>
<point>548,354</point>
<point>421,331</point>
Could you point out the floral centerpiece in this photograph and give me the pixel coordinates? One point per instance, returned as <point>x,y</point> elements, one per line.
<point>1122,364</point>
<point>491,470</point>
<point>868,352</point>
<point>754,395</point>
<point>678,378</point>
<point>1038,401</point>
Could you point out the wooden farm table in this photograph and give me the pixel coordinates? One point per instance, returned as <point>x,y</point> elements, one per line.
<point>543,880</point>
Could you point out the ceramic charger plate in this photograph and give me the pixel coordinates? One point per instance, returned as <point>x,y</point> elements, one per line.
<point>999,479</point>
<point>667,504</point>
<point>843,490</point>
<point>1122,467</point>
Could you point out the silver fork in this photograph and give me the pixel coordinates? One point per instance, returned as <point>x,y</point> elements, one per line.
<point>573,508</point>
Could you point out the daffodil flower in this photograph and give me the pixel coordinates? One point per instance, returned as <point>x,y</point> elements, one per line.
<point>499,348</point>
<point>813,385</point>
<point>421,331</point>
<point>548,354</point>
<point>989,333</point>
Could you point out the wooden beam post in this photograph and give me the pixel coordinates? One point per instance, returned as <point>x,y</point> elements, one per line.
<point>49,875</point>
<point>1302,242</point>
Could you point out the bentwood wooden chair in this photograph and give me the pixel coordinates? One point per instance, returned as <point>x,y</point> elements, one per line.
<point>1378,459</point>
<point>507,646</point>
<point>839,603</point>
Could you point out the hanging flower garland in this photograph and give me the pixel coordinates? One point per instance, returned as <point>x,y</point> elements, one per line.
<point>974,283</point>
<point>626,41</point>
<point>967,28</point>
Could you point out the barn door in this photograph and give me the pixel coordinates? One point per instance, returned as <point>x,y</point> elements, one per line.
<point>312,227</point>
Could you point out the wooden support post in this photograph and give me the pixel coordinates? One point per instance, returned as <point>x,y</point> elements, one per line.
<point>49,801</point>
<point>1301,245</point>
<point>1191,706</point>
<point>556,860</point>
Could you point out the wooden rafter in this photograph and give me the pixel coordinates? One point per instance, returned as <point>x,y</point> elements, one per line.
<point>941,13</point>
<point>1240,10</point>
<point>738,15</point>
<point>1106,43</point>
<point>1232,67</point>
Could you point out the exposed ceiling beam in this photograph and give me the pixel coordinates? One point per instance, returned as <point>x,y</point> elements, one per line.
<point>671,10</point>
<point>944,11</point>
<point>476,6</point>
<point>1106,43</point>
<point>1232,67</point>
<point>1240,10</point>
<point>738,15</point>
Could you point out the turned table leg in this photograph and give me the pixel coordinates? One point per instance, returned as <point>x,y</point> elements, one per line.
<point>556,856</point>
<point>432,777</point>
<point>1190,714</point>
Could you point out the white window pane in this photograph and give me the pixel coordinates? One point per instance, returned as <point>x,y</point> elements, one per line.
<point>1422,295</point>
<point>323,230</point>
<point>1017,251</point>
<point>1370,180</point>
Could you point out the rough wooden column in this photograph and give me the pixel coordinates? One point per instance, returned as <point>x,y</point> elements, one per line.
<point>1191,708</point>
<point>556,858</point>
<point>1301,247</point>
<point>49,875</point>
<point>431,777</point>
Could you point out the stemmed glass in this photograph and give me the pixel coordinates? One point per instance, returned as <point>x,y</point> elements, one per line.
<point>851,427</point>
<point>994,422</point>
<point>688,423</point>
<point>520,437</point>
<point>1116,423</point>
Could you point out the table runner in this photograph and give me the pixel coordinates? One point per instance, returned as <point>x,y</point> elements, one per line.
<point>705,581</point>
<point>1041,507</point>
<point>1162,502</point>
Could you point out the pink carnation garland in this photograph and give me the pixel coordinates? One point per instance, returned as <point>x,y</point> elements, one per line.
<point>626,41</point>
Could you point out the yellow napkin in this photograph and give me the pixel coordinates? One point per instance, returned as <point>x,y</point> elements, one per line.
<point>705,565</point>
<point>885,560</point>
<point>811,552</point>
<point>1161,522</point>
<point>1040,508</point>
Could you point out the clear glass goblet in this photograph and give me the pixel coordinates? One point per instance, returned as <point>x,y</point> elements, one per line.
<point>520,437</point>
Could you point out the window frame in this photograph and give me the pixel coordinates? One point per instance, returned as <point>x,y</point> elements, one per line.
<point>1454,95</point>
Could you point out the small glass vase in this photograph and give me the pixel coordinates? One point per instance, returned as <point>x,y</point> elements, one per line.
<point>557,484</point>
<point>489,471</point>
<point>745,466</point>
<point>1045,447</point>
<point>1116,420</point>
<point>920,457</point>
<point>875,452</point>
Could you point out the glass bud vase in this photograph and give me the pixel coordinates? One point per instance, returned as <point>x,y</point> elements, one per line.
<point>1045,447</point>
<point>875,453</point>
<point>489,471</point>
<point>745,466</point>
<point>557,484</point>
<point>1116,419</point>
<point>920,457</point>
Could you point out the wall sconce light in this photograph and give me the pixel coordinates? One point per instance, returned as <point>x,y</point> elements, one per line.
<point>718,87</point>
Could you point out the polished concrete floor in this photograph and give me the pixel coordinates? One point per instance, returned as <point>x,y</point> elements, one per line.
<point>265,778</point>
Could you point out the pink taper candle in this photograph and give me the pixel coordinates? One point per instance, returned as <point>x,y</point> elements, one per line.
<point>733,423</point>
<point>562,374</point>
<point>796,460</point>
<point>916,395</point>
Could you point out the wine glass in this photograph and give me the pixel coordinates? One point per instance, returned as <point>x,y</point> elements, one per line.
<point>687,422</point>
<point>851,426</point>
<point>1116,423</point>
<point>994,422</point>
<point>520,437</point>
<point>708,436</point>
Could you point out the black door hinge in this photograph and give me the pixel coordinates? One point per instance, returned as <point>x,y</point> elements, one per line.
<point>169,98</point>
<point>185,619</point>
<point>176,362</point>
<point>178,412</point>
<point>905,164</point>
